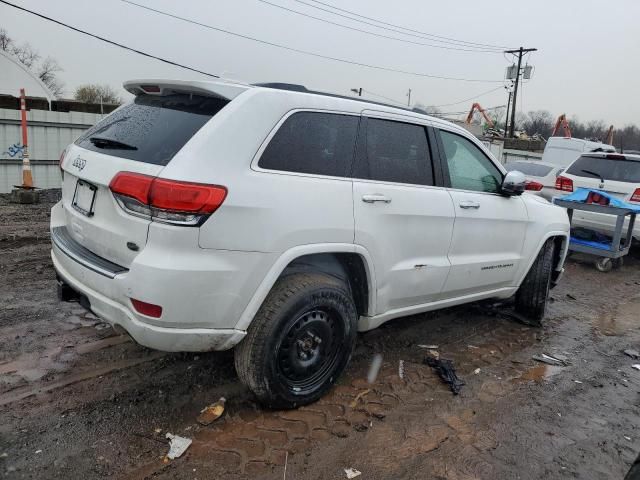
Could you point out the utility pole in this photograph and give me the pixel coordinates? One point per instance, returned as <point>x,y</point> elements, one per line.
<point>520,52</point>
<point>409,100</point>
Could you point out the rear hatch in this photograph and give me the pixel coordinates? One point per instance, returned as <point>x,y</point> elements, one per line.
<point>612,173</point>
<point>140,137</point>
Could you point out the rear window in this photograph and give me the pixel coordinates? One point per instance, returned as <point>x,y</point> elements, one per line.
<point>395,152</point>
<point>151,129</point>
<point>529,168</point>
<point>617,170</point>
<point>312,142</point>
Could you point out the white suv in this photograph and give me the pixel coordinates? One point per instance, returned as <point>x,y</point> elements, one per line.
<point>204,215</point>
<point>615,173</point>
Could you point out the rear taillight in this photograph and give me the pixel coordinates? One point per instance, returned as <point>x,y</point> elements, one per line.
<point>595,197</point>
<point>169,201</point>
<point>148,309</point>
<point>565,184</point>
<point>533,186</point>
<point>636,196</point>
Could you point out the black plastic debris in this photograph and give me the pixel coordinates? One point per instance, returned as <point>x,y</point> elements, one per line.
<point>444,368</point>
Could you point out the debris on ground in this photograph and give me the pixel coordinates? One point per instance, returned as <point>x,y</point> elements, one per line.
<point>444,368</point>
<point>632,353</point>
<point>476,371</point>
<point>211,413</point>
<point>355,401</point>
<point>177,445</point>
<point>636,366</point>
<point>352,472</point>
<point>374,368</point>
<point>571,296</point>
<point>557,360</point>
<point>429,347</point>
<point>577,381</point>
<point>401,369</point>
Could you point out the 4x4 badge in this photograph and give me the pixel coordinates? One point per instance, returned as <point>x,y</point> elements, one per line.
<point>79,163</point>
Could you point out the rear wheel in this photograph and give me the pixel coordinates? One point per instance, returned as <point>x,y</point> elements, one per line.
<point>532,296</point>
<point>300,340</point>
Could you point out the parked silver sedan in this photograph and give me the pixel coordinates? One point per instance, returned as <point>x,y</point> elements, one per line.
<point>541,176</point>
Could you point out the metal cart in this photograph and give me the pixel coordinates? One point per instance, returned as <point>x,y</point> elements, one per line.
<point>610,253</point>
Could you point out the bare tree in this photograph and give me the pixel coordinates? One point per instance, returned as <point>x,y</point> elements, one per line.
<point>26,54</point>
<point>539,121</point>
<point>94,93</point>
<point>6,42</point>
<point>47,72</point>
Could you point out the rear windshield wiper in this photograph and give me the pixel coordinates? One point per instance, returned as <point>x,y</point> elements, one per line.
<point>589,172</point>
<point>102,142</point>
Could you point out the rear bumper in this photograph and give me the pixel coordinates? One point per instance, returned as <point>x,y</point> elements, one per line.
<point>152,336</point>
<point>202,292</point>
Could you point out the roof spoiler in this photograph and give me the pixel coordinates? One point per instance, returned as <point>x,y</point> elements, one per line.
<point>221,89</point>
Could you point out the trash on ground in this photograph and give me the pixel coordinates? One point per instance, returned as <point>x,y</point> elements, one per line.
<point>632,353</point>
<point>158,430</point>
<point>472,347</point>
<point>444,368</point>
<point>577,381</point>
<point>401,369</point>
<point>38,451</point>
<point>211,413</point>
<point>352,472</point>
<point>359,396</point>
<point>177,445</point>
<point>429,347</point>
<point>627,437</point>
<point>476,371</point>
<point>636,366</point>
<point>549,360</point>
<point>571,296</point>
<point>374,368</point>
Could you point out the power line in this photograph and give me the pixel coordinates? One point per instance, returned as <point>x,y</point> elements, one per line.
<point>140,52</point>
<point>475,49</point>
<point>382,96</point>
<point>305,52</point>
<point>470,98</point>
<point>422,34</point>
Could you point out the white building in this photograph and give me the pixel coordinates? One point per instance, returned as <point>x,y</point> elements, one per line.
<point>14,76</point>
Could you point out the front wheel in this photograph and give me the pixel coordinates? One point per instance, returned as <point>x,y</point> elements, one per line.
<point>300,340</point>
<point>532,296</point>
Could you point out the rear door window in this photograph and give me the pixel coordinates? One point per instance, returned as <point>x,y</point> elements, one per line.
<point>151,129</point>
<point>313,142</point>
<point>617,170</point>
<point>394,152</point>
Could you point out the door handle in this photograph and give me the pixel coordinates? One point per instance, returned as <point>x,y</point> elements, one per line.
<point>469,204</point>
<point>375,198</point>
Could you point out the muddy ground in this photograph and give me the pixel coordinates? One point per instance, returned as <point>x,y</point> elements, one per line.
<point>78,400</point>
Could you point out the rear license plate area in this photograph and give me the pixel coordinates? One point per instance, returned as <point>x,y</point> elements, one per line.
<point>84,198</point>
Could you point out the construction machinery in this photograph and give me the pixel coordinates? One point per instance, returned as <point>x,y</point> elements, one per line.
<point>608,139</point>
<point>478,107</point>
<point>562,122</point>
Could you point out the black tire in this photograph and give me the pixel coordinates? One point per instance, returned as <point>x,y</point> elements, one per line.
<point>532,296</point>
<point>300,340</point>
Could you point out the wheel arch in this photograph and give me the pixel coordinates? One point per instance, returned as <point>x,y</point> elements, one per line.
<point>349,262</point>
<point>561,240</point>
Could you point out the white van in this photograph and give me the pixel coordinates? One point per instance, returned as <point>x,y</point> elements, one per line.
<point>564,151</point>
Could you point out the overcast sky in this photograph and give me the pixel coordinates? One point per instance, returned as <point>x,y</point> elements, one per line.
<point>586,64</point>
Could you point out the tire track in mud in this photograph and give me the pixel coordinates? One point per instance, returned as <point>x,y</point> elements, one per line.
<point>250,441</point>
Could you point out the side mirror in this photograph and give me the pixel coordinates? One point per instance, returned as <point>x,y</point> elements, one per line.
<point>513,183</point>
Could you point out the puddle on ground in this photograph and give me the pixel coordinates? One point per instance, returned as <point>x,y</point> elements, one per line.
<point>617,322</point>
<point>537,374</point>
